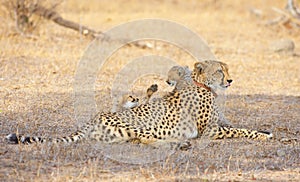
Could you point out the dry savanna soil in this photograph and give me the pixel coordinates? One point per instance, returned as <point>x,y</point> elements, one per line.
<point>37,73</point>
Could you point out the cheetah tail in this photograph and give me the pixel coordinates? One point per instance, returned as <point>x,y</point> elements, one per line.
<point>19,139</point>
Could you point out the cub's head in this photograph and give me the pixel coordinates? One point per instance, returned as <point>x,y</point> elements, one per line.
<point>178,74</point>
<point>213,74</point>
<point>129,102</point>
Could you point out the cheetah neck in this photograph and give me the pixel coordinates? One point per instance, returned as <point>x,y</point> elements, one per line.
<point>206,87</point>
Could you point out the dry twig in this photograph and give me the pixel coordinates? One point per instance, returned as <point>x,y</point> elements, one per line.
<point>289,19</point>
<point>294,11</point>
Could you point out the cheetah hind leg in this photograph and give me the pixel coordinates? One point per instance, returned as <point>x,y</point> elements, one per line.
<point>220,132</point>
<point>150,91</point>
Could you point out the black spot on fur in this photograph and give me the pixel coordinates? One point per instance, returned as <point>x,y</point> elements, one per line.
<point>120,132</point>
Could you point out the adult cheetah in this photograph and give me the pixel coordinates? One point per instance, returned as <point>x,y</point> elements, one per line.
<point>180,115</point>
<point>180,77</point>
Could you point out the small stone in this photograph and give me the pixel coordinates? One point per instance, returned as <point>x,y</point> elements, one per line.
<point>282,45</point>
<point>280,153</point>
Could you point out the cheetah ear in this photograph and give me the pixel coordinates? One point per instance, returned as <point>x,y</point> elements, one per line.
<point>199,66</point>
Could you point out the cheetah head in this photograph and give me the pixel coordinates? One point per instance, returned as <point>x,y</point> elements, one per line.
<point>213,74</point>
<point>129,102</point>
<point>175,74</point>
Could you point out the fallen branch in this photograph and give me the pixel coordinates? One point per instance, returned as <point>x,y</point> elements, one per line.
<point>294,11</point>
<point>54,16</point>
<point>288,19</point>
<point>22,11</point>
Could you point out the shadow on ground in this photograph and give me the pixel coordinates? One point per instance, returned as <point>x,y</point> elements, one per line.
<point>278,114</point>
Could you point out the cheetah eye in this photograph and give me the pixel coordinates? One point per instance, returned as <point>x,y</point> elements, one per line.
<point>219,71</point>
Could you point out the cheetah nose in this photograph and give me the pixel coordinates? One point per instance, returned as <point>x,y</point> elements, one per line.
<point>229,81</point>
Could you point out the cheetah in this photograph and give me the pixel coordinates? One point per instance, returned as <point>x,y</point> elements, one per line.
<point>179,116</point>
<point>180,77</point>
<point>129,101</point>
<point>125,102</point>
<point>177,76</point>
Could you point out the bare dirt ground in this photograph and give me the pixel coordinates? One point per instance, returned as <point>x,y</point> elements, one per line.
<point>36,91</point>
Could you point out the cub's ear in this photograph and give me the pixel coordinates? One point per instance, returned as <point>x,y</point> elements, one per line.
<point>199,66</point>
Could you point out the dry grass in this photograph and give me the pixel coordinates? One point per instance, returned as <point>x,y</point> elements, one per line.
<point>36,91</point>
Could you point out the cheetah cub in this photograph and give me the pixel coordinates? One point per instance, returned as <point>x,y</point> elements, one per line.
<point>129,101</point>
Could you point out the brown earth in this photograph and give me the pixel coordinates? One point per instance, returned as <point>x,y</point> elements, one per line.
<point>37,98</point>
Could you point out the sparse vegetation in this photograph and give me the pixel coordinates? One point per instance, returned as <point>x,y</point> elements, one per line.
<point>36,91</point>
